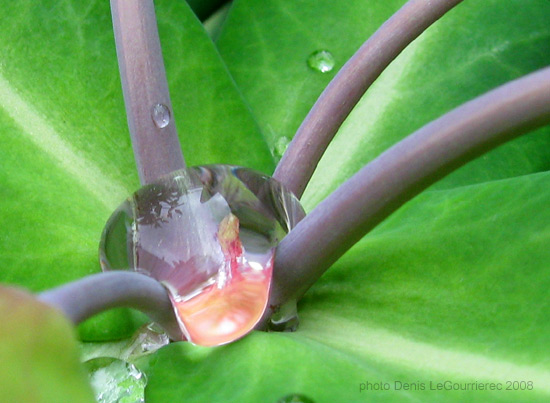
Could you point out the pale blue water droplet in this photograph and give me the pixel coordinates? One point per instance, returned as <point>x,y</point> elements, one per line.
<point>280,147</point>
<point>295,398</point>
<point>147,339</point>
<point>161,115</point>
<point>116,381</point>
<point>321,60</point>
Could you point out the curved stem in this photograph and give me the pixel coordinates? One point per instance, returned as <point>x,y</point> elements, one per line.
<point>402,172</point>
<point>351,211</point>
<point>84,298</point>
<point>344,91</point>
<point>149,111</point>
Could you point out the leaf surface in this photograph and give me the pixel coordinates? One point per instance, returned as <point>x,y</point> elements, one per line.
<point>38,352</point>
<point>453,287</point>
<point>475,47</point>
<point>65,155</point>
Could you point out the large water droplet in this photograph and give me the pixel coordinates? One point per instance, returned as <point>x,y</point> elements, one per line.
<point>209,235</point>
<point>116,381</point>
<point>161,115</point>
<point>295,398</point>
<point>321,60</point>
<point>280,147</point>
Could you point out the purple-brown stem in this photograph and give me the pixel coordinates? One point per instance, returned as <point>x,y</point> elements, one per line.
<point>351,211</point>
<point>400,173</point>
<point>149,111</point>
<point>355,207</point>
<point>84,298</point>
<point>344,91</point>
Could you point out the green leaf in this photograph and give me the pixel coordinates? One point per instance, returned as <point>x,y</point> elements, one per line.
<point>38,352</point>
<point>466,267</point>
<point>462,298</point>
<point>453,287</point>
<point>65,155</point>
<point>475,47</point>
<point>269,42</point>
<point>261,368</point>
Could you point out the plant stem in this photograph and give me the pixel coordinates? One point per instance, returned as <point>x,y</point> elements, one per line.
<point>84,298</point>
<point>344,91</point>
<point>400,173</point>
<point>155,141</point>
<point>352,210</point>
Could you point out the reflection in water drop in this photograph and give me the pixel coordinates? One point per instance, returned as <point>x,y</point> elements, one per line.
<point>209,235</point>
<point>116,381</point>
<point>280,147</point>
<point>295,398</point>
<point>161,115</point>
<point>321,60</point>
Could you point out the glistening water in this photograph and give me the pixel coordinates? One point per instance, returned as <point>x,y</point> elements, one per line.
<point>208,234</point>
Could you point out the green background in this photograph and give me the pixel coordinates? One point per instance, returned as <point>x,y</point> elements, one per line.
<point>454,286</point>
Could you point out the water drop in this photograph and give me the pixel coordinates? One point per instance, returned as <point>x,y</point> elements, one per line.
<point>284,319</point>
<point>209,235</point>
<point>146,340</point>
<point>161,115</point>
<point>116,381</point>
<point>295,398</point>
<point>321,60</point>
<point>280,146</point>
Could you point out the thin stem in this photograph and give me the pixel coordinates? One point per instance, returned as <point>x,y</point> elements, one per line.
<point>84,298</point>
<point>155,141</point>
<point>400,173</point>
<point>344,91</point>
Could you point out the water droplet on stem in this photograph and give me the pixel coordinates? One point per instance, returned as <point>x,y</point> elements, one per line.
<point>161,115</point>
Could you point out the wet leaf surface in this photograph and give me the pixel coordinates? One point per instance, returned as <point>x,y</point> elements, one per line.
<point>453,287</point>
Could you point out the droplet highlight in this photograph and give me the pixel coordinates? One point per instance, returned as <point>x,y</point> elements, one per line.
<point>321,60</point>
<point>280,147</point>
<point>116,381</point>
<point>161,115</point>
<point>295,398</point>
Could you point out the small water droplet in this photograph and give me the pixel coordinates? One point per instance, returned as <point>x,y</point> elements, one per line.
<point>147,339</point>
<point>321,60</point>
<point>280,147</point>
<point>295,398</point>
<point>161,115</point>
<point>114,380</point>
<point>185,235</point>
<point>285,319</point>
